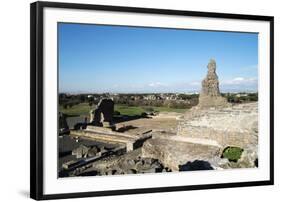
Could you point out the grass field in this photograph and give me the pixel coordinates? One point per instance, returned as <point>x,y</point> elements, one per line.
<point>76,110</point>
<point>83,109</point>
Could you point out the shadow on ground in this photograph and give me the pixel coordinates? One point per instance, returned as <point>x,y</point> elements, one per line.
<point>123,118</point>
<point>196,165</point>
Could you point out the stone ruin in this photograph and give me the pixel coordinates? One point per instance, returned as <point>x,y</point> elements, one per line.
<point>210,94</point>
<point>103,114</point>
<point>84,151</point>
<point>203,134</point>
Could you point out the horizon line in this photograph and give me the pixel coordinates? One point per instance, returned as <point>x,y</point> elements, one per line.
<point>195,92</point>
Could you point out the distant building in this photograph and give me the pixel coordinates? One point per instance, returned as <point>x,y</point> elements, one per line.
<point>242,95</point>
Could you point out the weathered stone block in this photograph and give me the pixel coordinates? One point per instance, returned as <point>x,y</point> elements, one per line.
<point>173,153</point>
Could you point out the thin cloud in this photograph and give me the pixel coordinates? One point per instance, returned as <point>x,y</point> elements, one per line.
<point>240,81</point>
<point>157,84</point>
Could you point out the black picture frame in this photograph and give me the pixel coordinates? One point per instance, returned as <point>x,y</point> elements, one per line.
<point>36,98</point>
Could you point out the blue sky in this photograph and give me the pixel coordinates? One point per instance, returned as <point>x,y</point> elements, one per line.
<point>118,59</point>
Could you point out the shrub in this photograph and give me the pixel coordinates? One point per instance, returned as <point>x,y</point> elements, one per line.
<point>232,153</point>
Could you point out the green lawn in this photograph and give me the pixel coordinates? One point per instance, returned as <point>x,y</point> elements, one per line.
<point>84,108</point>
<point>130,111</point>
<point>77,110</point>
